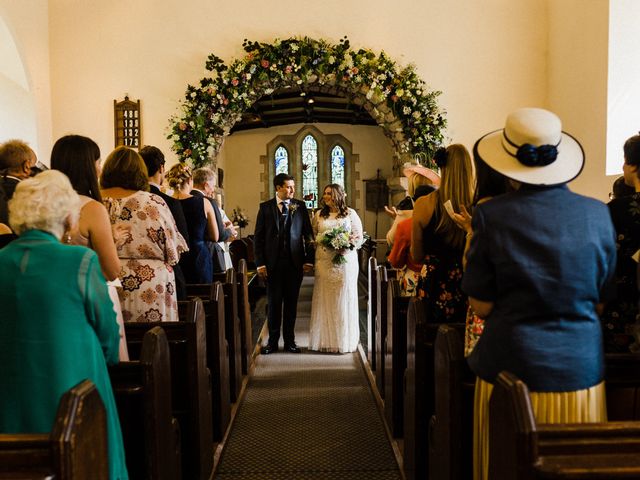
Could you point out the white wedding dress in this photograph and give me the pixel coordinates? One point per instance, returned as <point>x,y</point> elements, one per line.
<point>335,319</point>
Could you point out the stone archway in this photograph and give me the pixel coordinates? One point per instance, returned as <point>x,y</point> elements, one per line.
<point>396,98</point>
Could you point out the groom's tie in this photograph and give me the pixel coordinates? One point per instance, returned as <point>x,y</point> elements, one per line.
<point>285,213</point>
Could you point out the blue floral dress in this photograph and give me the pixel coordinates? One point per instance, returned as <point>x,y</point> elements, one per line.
<point>619,321</point>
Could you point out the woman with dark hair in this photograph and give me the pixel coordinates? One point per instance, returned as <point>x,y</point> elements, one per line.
<point>437,242</point>
<point>151,242</point>
<point>621,330</point>
<point>334,325</point>
<point>78,158</point>
<point>197,263</point>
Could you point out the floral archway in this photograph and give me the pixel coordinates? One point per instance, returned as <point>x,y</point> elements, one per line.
<point>396,98</point>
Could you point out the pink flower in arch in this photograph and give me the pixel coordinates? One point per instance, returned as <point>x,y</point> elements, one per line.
<point>265,63</point>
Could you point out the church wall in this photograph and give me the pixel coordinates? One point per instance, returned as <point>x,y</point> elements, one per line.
<point>152,49</point>
<point>28,24</point>
<point>578,55</point>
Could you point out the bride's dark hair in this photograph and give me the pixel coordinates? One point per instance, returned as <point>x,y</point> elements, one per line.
<point>339,197</point>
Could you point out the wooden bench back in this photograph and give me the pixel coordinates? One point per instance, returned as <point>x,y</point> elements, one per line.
<point>521,449</point>
<point>75,449</point>
<point>372,311</point>
<point>244,313</point>
<point>622,382</point>
<point>142,390</point>
<point>382,282</point>
<point>451,426</point>
<point>190,379</point>
<point>233,330</point>
<point>395,357</point>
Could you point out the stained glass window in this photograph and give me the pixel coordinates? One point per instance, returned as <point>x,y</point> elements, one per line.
<point>282,160</point>
<point>337,165</point>
<point>310,171</point>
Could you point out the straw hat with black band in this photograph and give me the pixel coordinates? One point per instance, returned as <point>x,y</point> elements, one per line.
<point>532,149</point>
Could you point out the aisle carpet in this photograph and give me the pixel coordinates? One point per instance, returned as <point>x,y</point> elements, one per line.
<point>308,416</point>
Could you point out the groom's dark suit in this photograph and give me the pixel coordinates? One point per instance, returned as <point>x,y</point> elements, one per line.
<point>282,244</point>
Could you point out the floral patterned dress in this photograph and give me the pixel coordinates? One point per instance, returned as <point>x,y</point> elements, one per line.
<point>441,278</point>
<point>151,245</point>
<point>620,319</point>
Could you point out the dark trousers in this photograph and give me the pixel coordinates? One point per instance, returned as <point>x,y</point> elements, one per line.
<point>283,287</point>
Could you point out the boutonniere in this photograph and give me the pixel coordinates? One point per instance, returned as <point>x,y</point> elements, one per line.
<point>292,208</point>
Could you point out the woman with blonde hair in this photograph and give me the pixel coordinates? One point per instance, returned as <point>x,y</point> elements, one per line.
<point>197,264</point>
<point>151,243</point>
<point>436,240</point>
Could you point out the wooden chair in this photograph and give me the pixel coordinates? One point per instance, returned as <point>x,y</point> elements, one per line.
<point>191,383</point>
<point>217,354</point>
<point>395,357</point>
<point>76,448</point>
<point>244,312</point>
<point>522,449</point>
<point>451,426</point>
<point>142,390</point>
<point>372,311</point>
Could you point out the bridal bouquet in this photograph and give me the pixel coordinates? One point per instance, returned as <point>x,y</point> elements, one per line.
<point>337,239</point>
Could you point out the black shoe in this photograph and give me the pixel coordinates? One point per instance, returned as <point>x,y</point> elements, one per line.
<point>292,348</point>
<point>267,349</point>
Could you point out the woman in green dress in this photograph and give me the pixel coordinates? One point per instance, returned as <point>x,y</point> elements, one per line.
<point>57,324</point>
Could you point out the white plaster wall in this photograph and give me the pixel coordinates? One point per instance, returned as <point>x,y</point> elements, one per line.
<point>152,49</point>
<point>28,24</point>
<point>578,55</point>
<point>242,153</point>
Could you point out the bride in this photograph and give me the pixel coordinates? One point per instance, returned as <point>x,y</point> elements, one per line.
<point>334,309</point>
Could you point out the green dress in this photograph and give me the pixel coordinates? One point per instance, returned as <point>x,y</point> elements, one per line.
<point>57,328</point>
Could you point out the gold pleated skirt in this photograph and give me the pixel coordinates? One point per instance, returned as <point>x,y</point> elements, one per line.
<point>582,406</point>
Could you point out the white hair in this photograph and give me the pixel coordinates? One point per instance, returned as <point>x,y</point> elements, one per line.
<point>44,202</point>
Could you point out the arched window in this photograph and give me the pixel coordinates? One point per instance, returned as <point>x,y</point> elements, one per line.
<point>337,165</point>
<point>310,171</point>
<point>282,160</point>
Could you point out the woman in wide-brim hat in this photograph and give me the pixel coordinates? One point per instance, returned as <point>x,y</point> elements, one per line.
<point>540,258</point>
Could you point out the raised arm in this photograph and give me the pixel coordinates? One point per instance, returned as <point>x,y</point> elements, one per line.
<point>356,228</point>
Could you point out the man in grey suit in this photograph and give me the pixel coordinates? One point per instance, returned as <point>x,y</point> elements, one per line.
<point>204,186</point>
<point>283,252</point>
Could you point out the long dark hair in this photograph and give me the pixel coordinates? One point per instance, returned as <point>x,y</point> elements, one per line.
<point>489,182</point>
<point>339,198</point>
<point>76,157</point>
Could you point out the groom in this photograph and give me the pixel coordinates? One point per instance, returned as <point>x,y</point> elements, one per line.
<point>283,251</point>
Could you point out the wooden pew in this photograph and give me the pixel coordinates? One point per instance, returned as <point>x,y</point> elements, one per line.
<point>244,312</point>
<point>191,385</point>
<point>372,311</point>
<point>419,395</point>
<point>451,426</point>
<point>76,448</point>
<point>522,449</point>
<point>622,382</point>
<point>382,282</point>
<point>238,251</point>
<point>142,390</point>
<point>232,328</point>
<point>395,357</point>
<point>217,354</point>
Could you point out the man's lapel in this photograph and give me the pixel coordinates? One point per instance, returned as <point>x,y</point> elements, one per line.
<point>276,213</point>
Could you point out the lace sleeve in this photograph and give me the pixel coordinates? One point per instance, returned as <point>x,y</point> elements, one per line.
<point>356,227</point>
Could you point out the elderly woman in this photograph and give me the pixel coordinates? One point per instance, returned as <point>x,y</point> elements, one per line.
<point>57,324</point>
<point>151,243</point>
<point>540,258</point>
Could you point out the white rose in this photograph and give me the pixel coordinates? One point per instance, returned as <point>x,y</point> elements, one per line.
<point>406,110</point>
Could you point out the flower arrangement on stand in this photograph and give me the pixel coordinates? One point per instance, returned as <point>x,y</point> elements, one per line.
<point>240,218</point>
<point>399,101</point>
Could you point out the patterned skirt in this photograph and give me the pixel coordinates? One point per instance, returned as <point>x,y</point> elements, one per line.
<point>440,285</point>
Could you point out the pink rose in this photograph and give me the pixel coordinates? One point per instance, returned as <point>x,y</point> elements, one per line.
<point>187,152</point>
<point>288,69</point>
<point>394,98</point>
<point>264,63</point>
<point>182,126</point>
<point>235,82</point>
<point>355,70</point>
